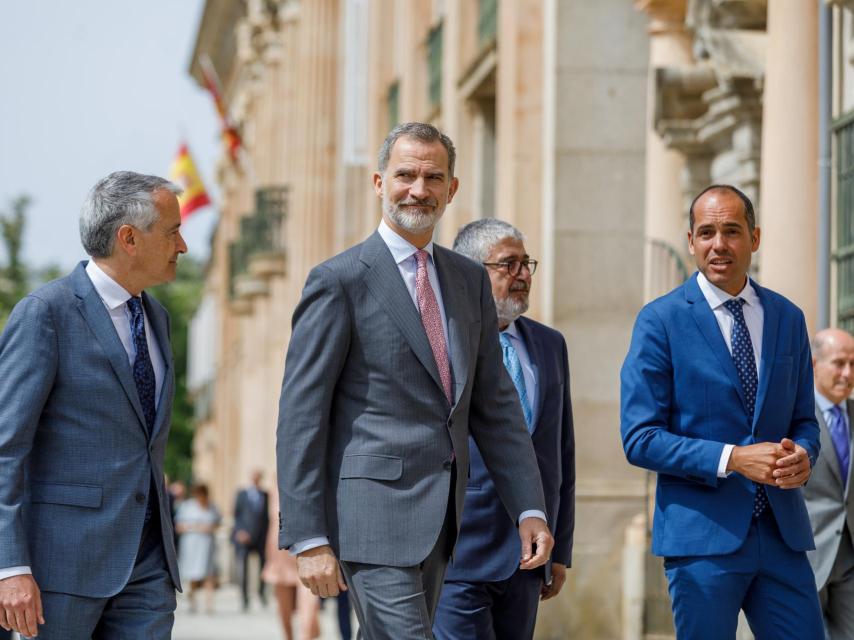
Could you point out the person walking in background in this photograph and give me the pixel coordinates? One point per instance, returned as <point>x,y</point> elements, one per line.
<point>393,361</point>
<point>86,387</point>
<point>485,594</point>
<point>196,522</point>
<point>828,489</point>
<point>292,597</point>
<point>717,398</point>
<point>251,522</point>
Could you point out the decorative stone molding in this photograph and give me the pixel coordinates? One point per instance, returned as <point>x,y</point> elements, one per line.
<point>842,4</point>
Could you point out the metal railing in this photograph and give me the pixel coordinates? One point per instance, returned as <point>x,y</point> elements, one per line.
<point>261,232</point>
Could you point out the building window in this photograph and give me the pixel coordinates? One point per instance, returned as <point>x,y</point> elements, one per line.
<point>844,148</point>
<point>393,101</point>
<point>487,23</point>
<point>434,64</point>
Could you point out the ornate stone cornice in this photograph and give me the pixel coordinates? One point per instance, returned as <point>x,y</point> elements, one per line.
<point>842,4</point>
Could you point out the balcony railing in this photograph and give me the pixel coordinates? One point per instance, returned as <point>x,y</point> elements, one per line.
<point>259,251</point>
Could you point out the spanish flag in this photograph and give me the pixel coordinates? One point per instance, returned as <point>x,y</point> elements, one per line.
<point>185,174</point>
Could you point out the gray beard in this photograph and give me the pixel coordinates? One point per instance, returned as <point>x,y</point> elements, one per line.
<point>412,221</point>
<point>508,309</point>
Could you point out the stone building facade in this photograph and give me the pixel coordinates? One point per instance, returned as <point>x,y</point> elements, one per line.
<point>589,125</point>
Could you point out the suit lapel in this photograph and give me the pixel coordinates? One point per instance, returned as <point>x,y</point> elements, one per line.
<point>828,451</point>
<point>535,355</point>
<point>850,409</point>
<point>770,327</point>
<point>455,300</point>
<point>385,283</point>
<point>157,320</point>
<point>708,325</point>
<point>95,313</point>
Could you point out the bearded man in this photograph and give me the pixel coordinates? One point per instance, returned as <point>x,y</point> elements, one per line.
<point>393,362</point>
<point>485,594</point>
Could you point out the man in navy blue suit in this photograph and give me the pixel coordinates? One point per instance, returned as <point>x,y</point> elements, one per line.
<point>485,594</point>
<point>717,398</point>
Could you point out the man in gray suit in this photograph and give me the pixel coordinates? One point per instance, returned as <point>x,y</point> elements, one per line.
<point>826,493</point>
<point>86,385</point>
<point>393,361</point>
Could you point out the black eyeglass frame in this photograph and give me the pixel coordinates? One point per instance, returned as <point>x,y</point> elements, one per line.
<point>528,263</point>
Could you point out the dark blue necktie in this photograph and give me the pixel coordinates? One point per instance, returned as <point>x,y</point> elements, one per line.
<point>745,364</point>
<point>143,371</point>
<point>839,436</point>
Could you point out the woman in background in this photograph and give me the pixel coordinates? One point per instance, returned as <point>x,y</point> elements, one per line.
<point>280,571</point>
<point>196,521</point>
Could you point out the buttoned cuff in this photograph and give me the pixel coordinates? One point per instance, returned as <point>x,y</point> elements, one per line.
<point>533,513</point>
<point>11,572</point>
<point>724,461</point>
<point>306,545</point>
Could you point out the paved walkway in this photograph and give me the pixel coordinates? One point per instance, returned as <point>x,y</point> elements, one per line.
<point>230,623</point>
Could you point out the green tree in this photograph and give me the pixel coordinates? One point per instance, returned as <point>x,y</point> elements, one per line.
<point>14,275</point>
<point>181,298</point>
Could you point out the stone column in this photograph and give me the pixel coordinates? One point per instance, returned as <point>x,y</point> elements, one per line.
<point>311,226</point>
<point>665,218</point>
<point>789,188</point>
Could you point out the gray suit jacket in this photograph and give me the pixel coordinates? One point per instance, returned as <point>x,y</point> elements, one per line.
<point>76,462</point>
<point>826,502</point>
<point>366,435</point>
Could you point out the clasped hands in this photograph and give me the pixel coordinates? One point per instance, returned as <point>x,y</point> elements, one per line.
<point>785,465</point>
<point>320,572</point>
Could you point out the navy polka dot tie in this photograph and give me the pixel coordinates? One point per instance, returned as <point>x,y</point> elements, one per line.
<point>143,371</point>
<point>745,364</point>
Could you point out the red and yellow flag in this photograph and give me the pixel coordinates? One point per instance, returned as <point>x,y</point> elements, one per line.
<point>185,174</point>
<point>230,134</point>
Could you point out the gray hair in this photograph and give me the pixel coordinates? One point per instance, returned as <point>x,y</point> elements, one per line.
<point>420,131</point>
<point>476,239</point>
<point>123,197</point>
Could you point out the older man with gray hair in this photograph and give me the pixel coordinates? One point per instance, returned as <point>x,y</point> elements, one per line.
<point>86,386</point>
<point>485,595</point>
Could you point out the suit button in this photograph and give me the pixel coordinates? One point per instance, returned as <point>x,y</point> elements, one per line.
<point>140,498</point>
<point>447,465</point>
<point>839,532</point>
<point>450,423</point>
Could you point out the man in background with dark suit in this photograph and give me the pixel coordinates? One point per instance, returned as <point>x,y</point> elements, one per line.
<point>827,491</point>
<point>251,522</point>
<point>485,594</point>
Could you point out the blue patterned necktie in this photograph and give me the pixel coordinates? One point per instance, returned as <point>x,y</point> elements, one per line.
<point>839,436</point>
<point>514,368</point>
<point>745,364</point>
<point>143,371</point>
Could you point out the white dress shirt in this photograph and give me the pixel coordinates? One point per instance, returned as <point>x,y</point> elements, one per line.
<point>754,317</point>
<point>403,253</point>
<point>115,300</point>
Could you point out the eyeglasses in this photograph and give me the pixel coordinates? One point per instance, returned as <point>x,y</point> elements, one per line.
<point>514,267</point>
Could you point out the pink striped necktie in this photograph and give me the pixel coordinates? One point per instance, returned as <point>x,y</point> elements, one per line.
<point>431,318</point>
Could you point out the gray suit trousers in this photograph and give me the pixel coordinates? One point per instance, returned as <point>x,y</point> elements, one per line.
<point>837,595</point>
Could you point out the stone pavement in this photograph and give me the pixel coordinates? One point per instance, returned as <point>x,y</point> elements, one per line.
<point>228,622</point>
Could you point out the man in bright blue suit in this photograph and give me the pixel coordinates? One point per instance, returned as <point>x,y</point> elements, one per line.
<point>486,594</point>
<point>717,398</point>
<point>86,384</point>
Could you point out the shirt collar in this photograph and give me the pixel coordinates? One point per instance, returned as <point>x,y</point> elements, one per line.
<point>826,405</point>
<point>401,249</point>
<point>716,296</point>
<point>513,331</point>
<point>112,293</point>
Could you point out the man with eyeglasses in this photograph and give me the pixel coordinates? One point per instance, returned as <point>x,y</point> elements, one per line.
<point>485,595</point>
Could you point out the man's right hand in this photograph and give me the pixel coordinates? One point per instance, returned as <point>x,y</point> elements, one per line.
<point>319,571</point>
<point>21,605</point>
<point>758,461</point>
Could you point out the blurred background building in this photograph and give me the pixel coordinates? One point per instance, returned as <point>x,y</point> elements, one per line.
<point>590,126</point>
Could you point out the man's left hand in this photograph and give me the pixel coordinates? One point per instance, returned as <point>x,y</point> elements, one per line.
<point>535,531</point>
<point>793,470</point>
<point>558,578</point>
